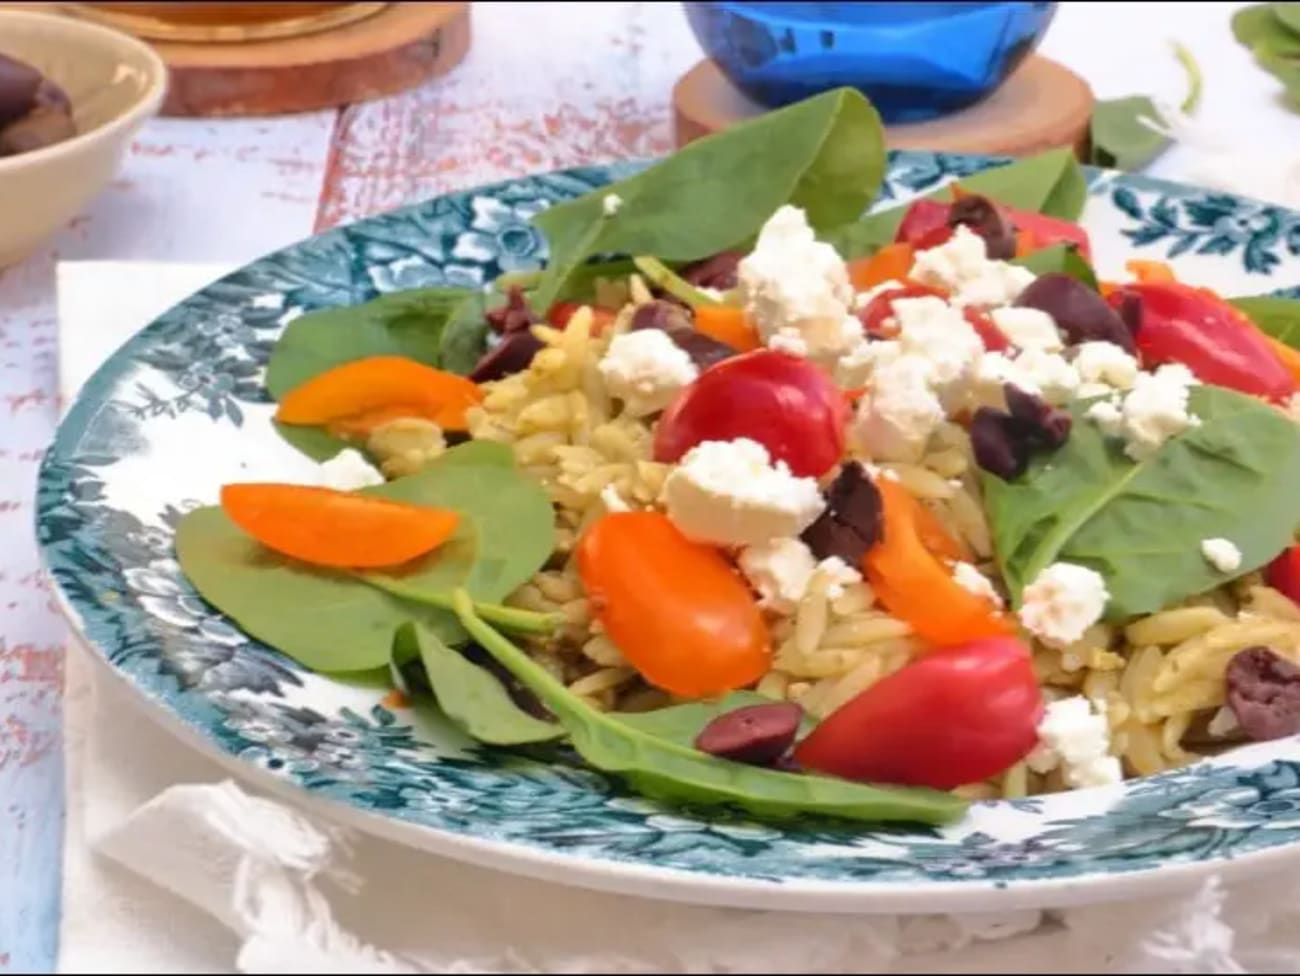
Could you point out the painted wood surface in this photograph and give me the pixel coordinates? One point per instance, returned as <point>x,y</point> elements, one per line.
<point>544,86</point>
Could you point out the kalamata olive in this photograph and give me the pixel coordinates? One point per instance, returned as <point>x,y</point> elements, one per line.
<point>983,218</point>
<point>1264,693</point>
<point>1003,442</point>
<point>756,734</point>
<point>41,127</point>
<point>1079,311</point>
<point>1038,420</point>
<point>514,316</point>
<point>513,354</point>
<point>718,271</point>
<point>851,522</point>
<point>18,86</point>
<point>660,314</point>
<point>676,321</point>
<point>705,351</point>
<point>1130,312</point>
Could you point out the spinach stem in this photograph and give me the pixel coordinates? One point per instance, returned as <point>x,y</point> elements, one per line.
<point>509,618</point>
<point>667,279</point>
<point>1195,81</point>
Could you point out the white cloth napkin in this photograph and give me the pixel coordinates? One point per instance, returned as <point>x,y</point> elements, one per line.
<point>170,866</point>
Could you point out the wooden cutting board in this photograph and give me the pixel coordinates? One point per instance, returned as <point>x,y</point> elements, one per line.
<point>1041,106</point>
<point>390,51</point>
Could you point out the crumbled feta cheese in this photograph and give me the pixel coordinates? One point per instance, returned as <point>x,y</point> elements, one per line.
<point>1050,376</point>
<point>348,470</point>
<point>970,579</point>
<point>1062,602</point>
<point>793,281</point>
<point>993,371</point>
<point>1221,554</point>
<point>790,341</point>
<point>610,204</point>
<point>855,367</point>
<point>779,571</point>
<point>864,298</point>
<point>1223,723</point>
<point>961,266</point>
<point>930,328</point>
<point>612,500</point>
<point>1105,366</point>
<point>1027,328</point>
<point>645,369</point>
<point>1107,415</point>
<point>899,413</point>
<point>1156,409</point>
<point>1074,735</point>
<point>838,574</point>
<point>730,493</point>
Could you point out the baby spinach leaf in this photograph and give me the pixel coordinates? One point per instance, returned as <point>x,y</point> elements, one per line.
<point>683,723</point>
<point>1119,137</point>
<point>824,154</point>
<point>1279,317</point>
<point>474,700</point>
<point>668,770</point>
<point>1060,257</point>
<point>1050,183</point>
<point>1272,33</point>
<point>1140,525</point>
<point>464,338</point>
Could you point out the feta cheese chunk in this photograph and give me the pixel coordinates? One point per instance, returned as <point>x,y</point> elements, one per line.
<point>645,369</point>
<point>1156,409</point>
<point>729,493</point>
<point>779,571</point>
<point>793,281</point>
<point>961,266</point>
<point>610,204</point>
<point>1050,376</point>
<point>970,579</point>
<point>1027,328</point>
<point>1075,736</point>
<point>1221,554</point>
<point>930,328</point>
<point>899,413</point>
<point>1107,415</point>
<point>1062,602</point>
<point>838,574</point>
<point>789,341</point>
<point>1104,366</point>
<point>612,500</point>
<point>348,470</point>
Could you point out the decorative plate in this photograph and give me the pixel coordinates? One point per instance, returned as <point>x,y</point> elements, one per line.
<point>181,406</point>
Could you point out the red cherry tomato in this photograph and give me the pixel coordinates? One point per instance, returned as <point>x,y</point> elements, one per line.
<point>1283,573</point>
<point>881,307</point>
<point>559,314</point>
<point>922,217</point>
<point>956,716</point>
<point>1045,231</point>
<point>925,224</point>
<point>676,609</point>
<point>1182,324</point>
<point>990,334</point>
<point>781,401</point>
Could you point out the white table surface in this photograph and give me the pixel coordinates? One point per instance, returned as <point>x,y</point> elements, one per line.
<point>226,191</point>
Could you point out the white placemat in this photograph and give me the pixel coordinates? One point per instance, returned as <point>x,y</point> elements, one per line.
<point>171,867</point>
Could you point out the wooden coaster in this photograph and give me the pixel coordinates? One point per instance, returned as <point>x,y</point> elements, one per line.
<point>1041,106</point>
<point>392,50</point>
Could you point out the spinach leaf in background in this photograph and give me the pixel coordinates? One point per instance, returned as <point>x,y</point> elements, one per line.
<point>1140,525</point>
<point>1288,14</point>
<point>1060,257</point>
<point>1050,183</point>
<point>465,336</point>
<point>1279,317</point>
<point>1271,31</point>
<point>1119,137</point>
<point>664,769</point>
<point>825,154</point>
<point>683,723</point>
<point>473,699</point>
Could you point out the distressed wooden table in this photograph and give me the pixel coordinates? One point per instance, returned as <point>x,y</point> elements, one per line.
<point>544,86</point>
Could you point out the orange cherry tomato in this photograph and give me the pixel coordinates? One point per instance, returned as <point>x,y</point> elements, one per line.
<point>893,262</point>
<point>341,529</point>
<point>376,383</point>
<point>728,325</point>
<point>910,571</point>
<point>560,313</point>
<point>676,609</point>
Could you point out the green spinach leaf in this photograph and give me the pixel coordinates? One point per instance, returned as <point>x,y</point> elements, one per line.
<point>683,723</point>
<point>668,770</point>
<point>1279,317</point>
<point>824,154</point>
<point>464,338</point>
<point>1120,138</point>
<point>1140,525</point>
<point>474,700</point>
<point>1060,257</point>
<point>1272,33</point>
<point>1050,183</point>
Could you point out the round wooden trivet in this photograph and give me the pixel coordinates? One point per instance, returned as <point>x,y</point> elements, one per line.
<point>395,49</point>
<point>1041,106</point>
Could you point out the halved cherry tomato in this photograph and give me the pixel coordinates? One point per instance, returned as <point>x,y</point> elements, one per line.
<point>1193,326</point>
<point>341,529</point>
<point>909,569</point>
<point>1046,231</point>
<point>380,383</point>
<point>925,224</point>
<point>728,325</point>
<point>677,610</point>
<point>957,716</point>
<point>881,307</point>
<point>893,262</point>
<point>1283,573</point>
<point>783,402</point>
<point>990,334</point>
<point>559,314</point>
<point>922,217</point>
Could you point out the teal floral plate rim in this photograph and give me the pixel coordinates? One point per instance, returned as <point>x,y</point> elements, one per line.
<point>181,407</point>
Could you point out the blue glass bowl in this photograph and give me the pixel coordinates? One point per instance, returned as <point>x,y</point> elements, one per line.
<point>914,61</point>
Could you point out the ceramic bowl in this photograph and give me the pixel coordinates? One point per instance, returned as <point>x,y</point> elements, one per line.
<point>114,82</point>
